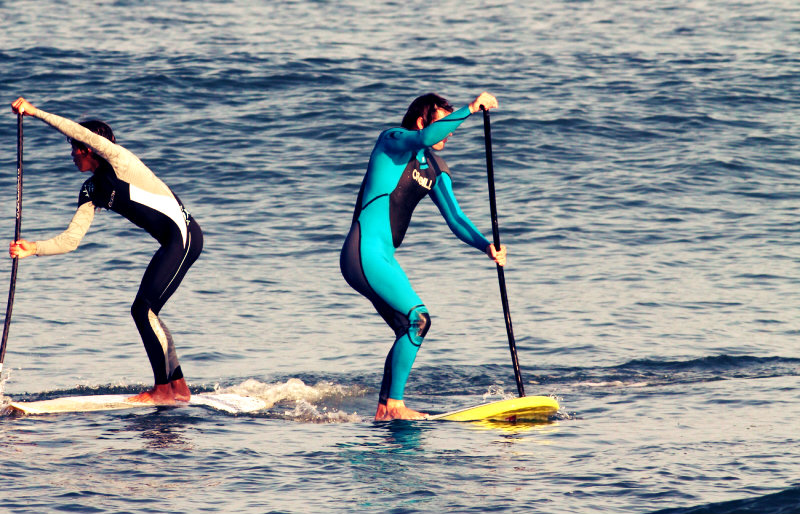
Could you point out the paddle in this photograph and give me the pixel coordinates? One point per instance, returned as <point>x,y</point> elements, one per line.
<point>15,262</point>
<point>487,134</point>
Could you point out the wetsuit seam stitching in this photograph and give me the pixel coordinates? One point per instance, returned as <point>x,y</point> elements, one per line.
<point>185,255</point>
<point>368,203</point>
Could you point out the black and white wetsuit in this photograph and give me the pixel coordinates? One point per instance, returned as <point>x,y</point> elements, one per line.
<point>130,188</point>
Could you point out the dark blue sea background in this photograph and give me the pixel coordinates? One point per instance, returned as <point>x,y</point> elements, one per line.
<point>647,160</point>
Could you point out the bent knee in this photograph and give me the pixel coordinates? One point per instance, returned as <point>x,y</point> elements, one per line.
<point>140,308</point>
<point>420,323</point>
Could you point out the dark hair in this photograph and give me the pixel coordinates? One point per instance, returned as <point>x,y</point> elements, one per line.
<point>98,127</point>
<point>102,129</point>
<point>424,107</point>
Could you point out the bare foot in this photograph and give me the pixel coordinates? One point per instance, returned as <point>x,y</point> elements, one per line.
<point>180,391</point>
<point>396,409</point>
<point>160,394</point>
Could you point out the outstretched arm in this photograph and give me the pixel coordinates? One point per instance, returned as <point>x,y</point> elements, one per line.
<point>400,140</point>
<point>65,242</point>
<point>126,165</point>
<point>105,148</point>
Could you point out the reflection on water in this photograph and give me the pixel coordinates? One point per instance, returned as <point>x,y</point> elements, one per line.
<point>159,430</point>
<point>403,435</point>
<point>516,427</point>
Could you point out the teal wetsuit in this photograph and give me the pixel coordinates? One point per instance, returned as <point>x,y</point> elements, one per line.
<point>402,170</point>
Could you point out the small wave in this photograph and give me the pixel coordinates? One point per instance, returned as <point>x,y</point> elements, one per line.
<point>653,373</point>
<point>613,383</point>
<point>489,380</point>
<point>758,366</point>
<point>784,502</point>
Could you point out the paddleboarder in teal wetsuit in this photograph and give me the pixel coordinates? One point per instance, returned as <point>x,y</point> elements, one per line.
<point>122,183</point>
<point>402,170</point>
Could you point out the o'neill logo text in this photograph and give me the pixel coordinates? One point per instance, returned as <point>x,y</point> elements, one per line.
<point>423,181</point>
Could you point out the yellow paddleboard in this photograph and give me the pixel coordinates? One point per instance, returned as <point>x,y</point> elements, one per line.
<point>513,409</point>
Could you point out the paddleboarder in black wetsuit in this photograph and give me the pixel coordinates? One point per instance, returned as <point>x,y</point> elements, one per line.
<point>403,170</point>
<point>122,183</point>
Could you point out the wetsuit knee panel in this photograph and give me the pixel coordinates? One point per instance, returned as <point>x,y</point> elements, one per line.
<point>420,323</point>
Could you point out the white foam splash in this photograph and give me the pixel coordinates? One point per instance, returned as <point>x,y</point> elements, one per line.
<point>5,375</point>
<point>306,398</point>
<point>5,401</point>
<point>307,412</point>
<point>497,391</point>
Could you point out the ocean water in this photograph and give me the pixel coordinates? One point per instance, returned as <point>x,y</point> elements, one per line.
<point>646,162</point>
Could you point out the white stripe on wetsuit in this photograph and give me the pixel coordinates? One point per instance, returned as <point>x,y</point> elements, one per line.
<point>163,204</point>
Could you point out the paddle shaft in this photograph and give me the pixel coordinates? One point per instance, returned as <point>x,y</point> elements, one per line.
<point>512,345</point>
<point>17,229</point>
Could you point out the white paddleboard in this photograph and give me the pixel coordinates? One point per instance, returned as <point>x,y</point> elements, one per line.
<point>226,402</point>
